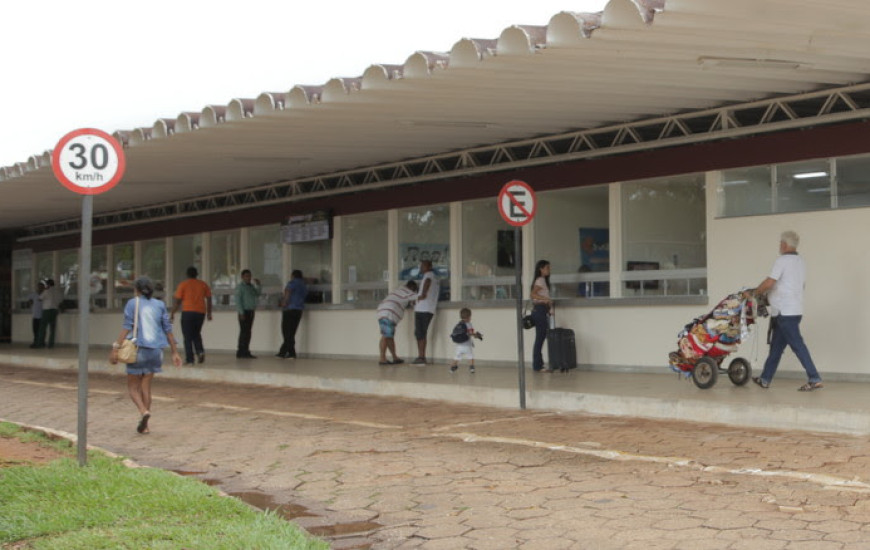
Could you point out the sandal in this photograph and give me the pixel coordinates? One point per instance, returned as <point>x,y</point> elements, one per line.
<point>810,386</point>
<point>760,382</point>
<point>143,423</point>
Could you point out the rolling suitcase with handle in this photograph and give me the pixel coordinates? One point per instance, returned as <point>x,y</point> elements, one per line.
<point>561,347</point>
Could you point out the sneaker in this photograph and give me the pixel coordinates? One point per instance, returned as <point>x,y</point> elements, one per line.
<point>453,368</point>
<point>200,357</point>
<point>419,361</point>
<point>760,382</point>
<point>471,369</point>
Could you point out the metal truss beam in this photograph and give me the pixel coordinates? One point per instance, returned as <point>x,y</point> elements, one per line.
<point>759,117</point>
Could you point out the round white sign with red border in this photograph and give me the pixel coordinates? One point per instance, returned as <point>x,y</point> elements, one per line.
<point>88,161</point>
<point>516,203</point>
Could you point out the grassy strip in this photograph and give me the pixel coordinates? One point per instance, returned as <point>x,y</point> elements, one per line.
<point>108,505</point>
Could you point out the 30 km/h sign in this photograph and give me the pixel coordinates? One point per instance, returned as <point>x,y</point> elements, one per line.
<point>516,203</point>
<point>88,161</point>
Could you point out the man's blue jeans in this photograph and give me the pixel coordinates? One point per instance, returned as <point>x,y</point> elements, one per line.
<point>787,332</point>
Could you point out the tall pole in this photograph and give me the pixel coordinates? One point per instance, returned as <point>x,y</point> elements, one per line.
<point>84,288</point>
<point>518,261</point>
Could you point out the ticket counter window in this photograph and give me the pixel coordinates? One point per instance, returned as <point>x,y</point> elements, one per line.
<point>487,274</point>
<point>364,258</point>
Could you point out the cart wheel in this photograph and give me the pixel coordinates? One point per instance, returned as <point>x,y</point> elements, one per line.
<point>705,373</point>
<point>739,371</point>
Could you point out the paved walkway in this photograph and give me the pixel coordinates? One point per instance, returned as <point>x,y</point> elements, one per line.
<point>841,407</point>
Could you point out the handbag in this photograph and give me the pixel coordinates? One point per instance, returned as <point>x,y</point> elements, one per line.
<point>129,350</point>
<point>528,322</point>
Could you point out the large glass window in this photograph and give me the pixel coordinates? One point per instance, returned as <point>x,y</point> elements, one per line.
<point>186,252</point>
<point>314,259</point>
<point>124,272</point>
<point>853,181</point>
<point>264,253</point>
<point>803,186</point>
<point>745,192</point>
<point>424,234</point>
<point>99,277</point>
<point>68,278</point>
<point>664,236</point>
<point>488,263</point>
<point>154,265</point>
<point>22,266</point>
<point>572,232</point>
<point>224,270</point>
<point>364,257</point>
<point>45,266</point>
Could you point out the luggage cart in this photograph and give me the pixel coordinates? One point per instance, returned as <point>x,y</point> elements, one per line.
<point>705,343</point>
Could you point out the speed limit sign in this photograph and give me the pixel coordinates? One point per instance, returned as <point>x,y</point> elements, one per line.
<point>88,161</point>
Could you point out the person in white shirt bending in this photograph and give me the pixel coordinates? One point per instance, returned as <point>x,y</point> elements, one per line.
<point>390,312</point>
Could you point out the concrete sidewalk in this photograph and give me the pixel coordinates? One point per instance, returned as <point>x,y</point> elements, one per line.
<point>841,407</point>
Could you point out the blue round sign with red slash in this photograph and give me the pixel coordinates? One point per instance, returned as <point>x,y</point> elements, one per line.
<point>516,203</point>
<point>88,161</point>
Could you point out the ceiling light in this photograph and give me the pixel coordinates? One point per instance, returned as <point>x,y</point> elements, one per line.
<point>734,182</point>
<point>751,63</point>
<point>805,175</point>
<point>448,123</point>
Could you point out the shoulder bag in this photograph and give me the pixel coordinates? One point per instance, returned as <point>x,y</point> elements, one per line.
<point>129,350</point>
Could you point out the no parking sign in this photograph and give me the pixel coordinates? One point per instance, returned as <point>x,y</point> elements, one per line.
<point>517,203</point>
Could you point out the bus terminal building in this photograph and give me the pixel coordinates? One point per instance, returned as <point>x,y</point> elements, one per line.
<point>669,143</point>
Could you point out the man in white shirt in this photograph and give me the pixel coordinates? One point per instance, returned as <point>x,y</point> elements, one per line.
<point>785,289</point>
<point>427,302</point>
<point>48,324</point>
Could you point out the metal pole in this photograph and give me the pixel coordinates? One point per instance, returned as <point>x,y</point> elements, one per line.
<point>518,262</point>
<point>84,289</point>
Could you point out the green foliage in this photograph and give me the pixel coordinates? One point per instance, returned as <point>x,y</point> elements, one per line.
<point>108,505</point>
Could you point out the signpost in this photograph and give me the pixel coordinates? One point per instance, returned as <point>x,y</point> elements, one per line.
<point>517,205</point>
<point>87,162</point>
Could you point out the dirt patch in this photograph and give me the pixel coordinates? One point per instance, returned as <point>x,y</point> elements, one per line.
<point>14,452</point>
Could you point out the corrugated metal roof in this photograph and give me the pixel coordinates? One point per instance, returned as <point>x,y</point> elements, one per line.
<point>635,60</point>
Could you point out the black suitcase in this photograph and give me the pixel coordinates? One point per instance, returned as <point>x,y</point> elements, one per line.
<point>562,349</point>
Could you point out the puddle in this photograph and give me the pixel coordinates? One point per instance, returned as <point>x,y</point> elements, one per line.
<point>263,501</point>
<point>342,529</point>
<point>266,502</point>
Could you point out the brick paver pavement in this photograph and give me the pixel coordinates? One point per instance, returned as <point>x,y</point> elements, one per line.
<point>392,473</point>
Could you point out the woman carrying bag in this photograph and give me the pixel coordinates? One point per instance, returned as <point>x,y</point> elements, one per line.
<point>541,310</point>
<point>148,320</point>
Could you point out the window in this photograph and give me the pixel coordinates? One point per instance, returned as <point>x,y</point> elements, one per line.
<point>664,236</point>
<point>853,182</point>
<point>224,270</point>
<point>265,261</point>
<point>186,252</point>
<point>125,272</point>
<point>45,266</point>
<point>482,276</point>
<point>364,257</point>
<point>68,278</point>
<point>572,232</point>
<point>154,265</point>
<point>745,192</point>
<point>803,186</point>
<point>314,259</point>
<point>424,234</point>
<point>99,277</point>
<point>25,287</point>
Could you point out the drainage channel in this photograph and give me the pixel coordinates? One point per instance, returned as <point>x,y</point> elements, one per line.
<point>341,536</point>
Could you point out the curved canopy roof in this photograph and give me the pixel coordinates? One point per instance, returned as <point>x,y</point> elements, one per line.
<point>636,60</point>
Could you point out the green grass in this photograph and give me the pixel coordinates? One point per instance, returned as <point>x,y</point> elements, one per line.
<point>108,505</point>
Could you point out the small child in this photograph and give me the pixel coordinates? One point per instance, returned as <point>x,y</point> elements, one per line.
<point>462,334</point>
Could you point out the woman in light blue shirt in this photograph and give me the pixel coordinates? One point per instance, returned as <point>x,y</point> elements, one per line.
<point>153,333</point>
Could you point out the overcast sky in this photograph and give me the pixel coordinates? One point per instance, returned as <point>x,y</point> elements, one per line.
<point>118,65</point>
